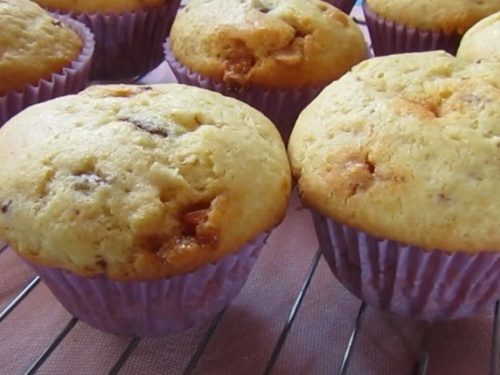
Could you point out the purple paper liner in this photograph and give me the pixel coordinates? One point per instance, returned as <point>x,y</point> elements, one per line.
<point>128,44</point>
<point>407,280</point>
<point>344,5</point>
<point>70,80</point>
<point>153,308</point>
<point>281,106</point>
<point>389,37</point>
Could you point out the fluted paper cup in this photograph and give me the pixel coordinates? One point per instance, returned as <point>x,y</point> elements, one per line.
<point>153,308</point>
<point>408,280</point>
<point>128,44</point>
<point>389,37</point>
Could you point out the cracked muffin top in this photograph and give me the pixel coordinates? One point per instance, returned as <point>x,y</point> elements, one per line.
<point>482,41</point>
<point>101,6</point>
<point>267,43</point>
<point>449,16</point>
<point>406,147</point>
<point>52,45</point>
<point>139,182</point>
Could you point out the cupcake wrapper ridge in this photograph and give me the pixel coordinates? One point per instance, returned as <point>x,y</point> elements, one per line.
<point>153,308</point>
<point>344,5</point>
<point>128,44</point>
<point>70,80</point>
<point>389,37</point>
<point>407,280</point>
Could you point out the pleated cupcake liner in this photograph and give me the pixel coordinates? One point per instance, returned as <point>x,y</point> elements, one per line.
<point>408,280</point>
<point>153,308</point>
<point>389,37</point>
<point>70,80</point>
<point>344,5</point>
<point>281,106</point>
<point>128,44</point>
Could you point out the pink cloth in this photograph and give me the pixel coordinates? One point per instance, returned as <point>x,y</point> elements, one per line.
<point>249,329</point>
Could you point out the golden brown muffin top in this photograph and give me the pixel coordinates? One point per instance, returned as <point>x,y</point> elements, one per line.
<point>271,44</point>
<point>407,147</point>
<point>450,16</point>
<point>139,182</point>
<point>100,6</point>
<point>482,41</point>
<point>33,45</point>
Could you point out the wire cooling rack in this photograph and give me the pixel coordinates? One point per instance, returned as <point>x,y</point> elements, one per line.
<point>421,364</point>
<point>348,345</point>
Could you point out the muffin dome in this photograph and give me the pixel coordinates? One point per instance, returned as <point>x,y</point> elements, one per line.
<point>406,147</point>
<point>482,41</point>
<point>450,16</point>
<point>52,45</point>
<point>139,182</point>
<point>270,44</point>
<point>111,6</point>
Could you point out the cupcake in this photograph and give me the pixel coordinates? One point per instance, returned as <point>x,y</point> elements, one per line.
<point>344,5</point>
<point>56,63</point>
<point>399,161</point>
<point>482,41</point>
<point>276,57</point>
<point>398,26</point>
<point>129,33</point>
<point>143,208</point>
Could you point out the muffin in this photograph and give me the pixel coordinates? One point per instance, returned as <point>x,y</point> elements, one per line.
<point>143,208</point>
<point>129,33</point>
<point>56,63</point>
<point>482,41</point>
<point>399,161</point>
<point>344,5</point>
<point>398,26</point>
<point>275,55</point>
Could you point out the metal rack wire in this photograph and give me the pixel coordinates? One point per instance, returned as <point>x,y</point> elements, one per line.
<point>343,369</point>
